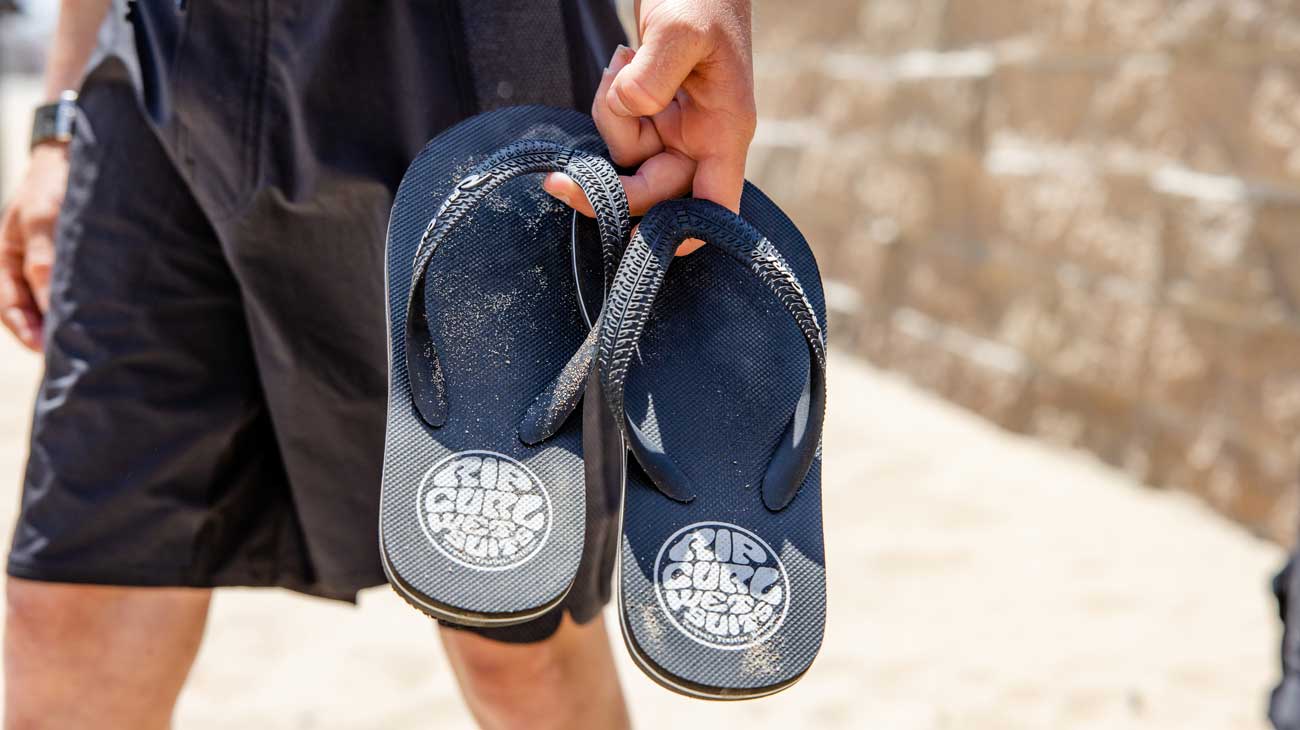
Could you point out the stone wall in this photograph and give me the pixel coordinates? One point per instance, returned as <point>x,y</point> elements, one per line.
<point>1080,218</point>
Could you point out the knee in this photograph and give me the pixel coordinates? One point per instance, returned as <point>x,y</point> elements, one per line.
<point>509,686</point>
<point>32,607</point>
<point>492,667</point>
<point>45,615</point>
<point>566,681</point>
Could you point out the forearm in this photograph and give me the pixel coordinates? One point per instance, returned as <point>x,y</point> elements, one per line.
<point>74,40</point>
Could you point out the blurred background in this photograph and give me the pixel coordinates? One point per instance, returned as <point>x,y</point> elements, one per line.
<point>1059,243</point>
<point>1075,217</point>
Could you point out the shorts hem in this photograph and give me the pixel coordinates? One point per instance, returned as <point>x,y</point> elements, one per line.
<point>341,588</point>
<point>539,629</point>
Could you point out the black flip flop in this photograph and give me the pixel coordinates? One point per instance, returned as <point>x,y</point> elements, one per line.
<point>716,373</point>
<point>482,506</point>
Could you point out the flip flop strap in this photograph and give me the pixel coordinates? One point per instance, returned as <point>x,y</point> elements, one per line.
<point>593,173</point>
<point>637,282</point>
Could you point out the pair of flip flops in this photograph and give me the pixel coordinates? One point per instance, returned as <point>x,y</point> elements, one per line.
<point>508,314</point>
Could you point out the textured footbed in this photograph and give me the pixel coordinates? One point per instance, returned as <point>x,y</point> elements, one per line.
<point>476,527</point>
<point>719,370</point>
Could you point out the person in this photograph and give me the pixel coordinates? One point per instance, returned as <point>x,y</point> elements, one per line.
<point>202,267</point>
<point>1284,700</point>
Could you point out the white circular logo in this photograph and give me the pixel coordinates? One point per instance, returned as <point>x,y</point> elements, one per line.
<point>484,510</point>
<point>721,585</point>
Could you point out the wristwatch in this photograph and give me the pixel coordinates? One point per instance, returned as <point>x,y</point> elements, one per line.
<point>55,122</point>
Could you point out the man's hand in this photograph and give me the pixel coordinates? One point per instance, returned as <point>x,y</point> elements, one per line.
<point>681,107</point>
<point>27,243</point>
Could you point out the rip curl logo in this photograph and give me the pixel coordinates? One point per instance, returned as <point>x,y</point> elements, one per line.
<point>721,585</point>
<point>484,510</point>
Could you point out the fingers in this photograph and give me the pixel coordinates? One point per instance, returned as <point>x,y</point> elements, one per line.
<point>669,50</point>
<point>36,221</point>
<point>631,140</point>
<point>18,309</point>
<point>720,179</point>
<point>664,176</point>
<point>38,261</point>
<point>25,324</point>
<point>648,112</point>
<point>663,173</point>
<point>564,189</point>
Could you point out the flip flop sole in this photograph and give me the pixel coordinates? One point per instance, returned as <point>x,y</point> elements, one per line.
<point>476,527</point>
<point>720,597</point>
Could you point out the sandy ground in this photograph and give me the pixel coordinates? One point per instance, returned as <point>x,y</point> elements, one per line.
<point>978,581</point>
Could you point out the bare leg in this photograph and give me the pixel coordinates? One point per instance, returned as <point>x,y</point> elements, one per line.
<point>79,656</point>
<point>567,681</point>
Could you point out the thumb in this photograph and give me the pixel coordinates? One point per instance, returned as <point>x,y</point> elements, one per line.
<point>646,85</point>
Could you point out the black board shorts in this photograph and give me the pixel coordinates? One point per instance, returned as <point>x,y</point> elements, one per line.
<point>212,408</point>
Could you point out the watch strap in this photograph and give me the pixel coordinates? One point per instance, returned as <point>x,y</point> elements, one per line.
<point>56,121</point>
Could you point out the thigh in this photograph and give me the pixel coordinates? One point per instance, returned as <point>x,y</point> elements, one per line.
<point>151,458</point>
<point>312,281</point>
<point>97,656</point>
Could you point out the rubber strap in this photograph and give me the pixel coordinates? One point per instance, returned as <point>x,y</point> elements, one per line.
<point>640,275</point>
<point>559,399</point>
<point>593,173</point>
